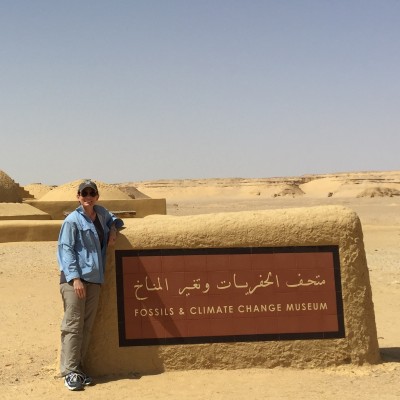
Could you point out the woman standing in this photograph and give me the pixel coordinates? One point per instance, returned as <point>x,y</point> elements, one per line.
<point>82,245</point>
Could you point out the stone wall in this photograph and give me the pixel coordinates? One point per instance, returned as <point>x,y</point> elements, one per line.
<point>21,211</point>
<point>29,231</point>
<point>143,207</point>
<point>317,226</point>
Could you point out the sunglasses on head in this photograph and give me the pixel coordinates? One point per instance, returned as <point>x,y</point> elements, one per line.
<point>86,193</point>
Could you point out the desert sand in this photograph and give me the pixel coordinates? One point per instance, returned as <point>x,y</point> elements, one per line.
<point>30,306</point>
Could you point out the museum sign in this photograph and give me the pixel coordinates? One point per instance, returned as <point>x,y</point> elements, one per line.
<point>176,296</point>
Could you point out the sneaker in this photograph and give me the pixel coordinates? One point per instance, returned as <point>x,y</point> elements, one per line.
<point>73,381</point>
<point>86,379</point>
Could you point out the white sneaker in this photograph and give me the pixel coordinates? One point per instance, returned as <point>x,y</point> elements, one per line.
<point>73,381</point>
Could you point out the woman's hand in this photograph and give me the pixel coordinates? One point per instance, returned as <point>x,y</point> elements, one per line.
<point>79,288</point>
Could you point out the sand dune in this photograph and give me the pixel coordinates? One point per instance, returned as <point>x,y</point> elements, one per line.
<point>316,186</point>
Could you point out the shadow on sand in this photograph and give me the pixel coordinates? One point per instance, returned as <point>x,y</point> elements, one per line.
<point>99,380</point>
<point>390,354</point>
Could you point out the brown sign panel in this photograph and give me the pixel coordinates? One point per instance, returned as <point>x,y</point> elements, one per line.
<point>179,296</point>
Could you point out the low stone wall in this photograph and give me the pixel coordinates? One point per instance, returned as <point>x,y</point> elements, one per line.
<point>13,211</point>
<point>29,231</point>
<point>317,226</point>
<point>142,207</point>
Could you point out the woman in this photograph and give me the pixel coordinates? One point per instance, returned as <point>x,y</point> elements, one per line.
<point>82,244</point>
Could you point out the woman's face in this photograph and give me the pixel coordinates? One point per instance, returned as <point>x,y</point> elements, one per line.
<point>88,197</point>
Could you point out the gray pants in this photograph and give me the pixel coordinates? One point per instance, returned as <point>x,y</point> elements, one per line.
<point>76,326</point>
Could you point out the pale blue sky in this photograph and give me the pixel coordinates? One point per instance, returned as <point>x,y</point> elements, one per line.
<point>169,89</point>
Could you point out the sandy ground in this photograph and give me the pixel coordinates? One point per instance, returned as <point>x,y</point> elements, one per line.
<point>30,311</point>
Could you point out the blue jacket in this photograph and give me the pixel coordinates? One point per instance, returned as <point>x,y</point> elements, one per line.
<point>80,254</point>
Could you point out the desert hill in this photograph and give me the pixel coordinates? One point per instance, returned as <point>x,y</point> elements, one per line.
<point>341,185</point>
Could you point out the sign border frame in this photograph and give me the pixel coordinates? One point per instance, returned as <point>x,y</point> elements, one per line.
<point>124,342</point>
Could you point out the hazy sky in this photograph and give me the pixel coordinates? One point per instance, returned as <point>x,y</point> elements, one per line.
<point>137,90</point>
